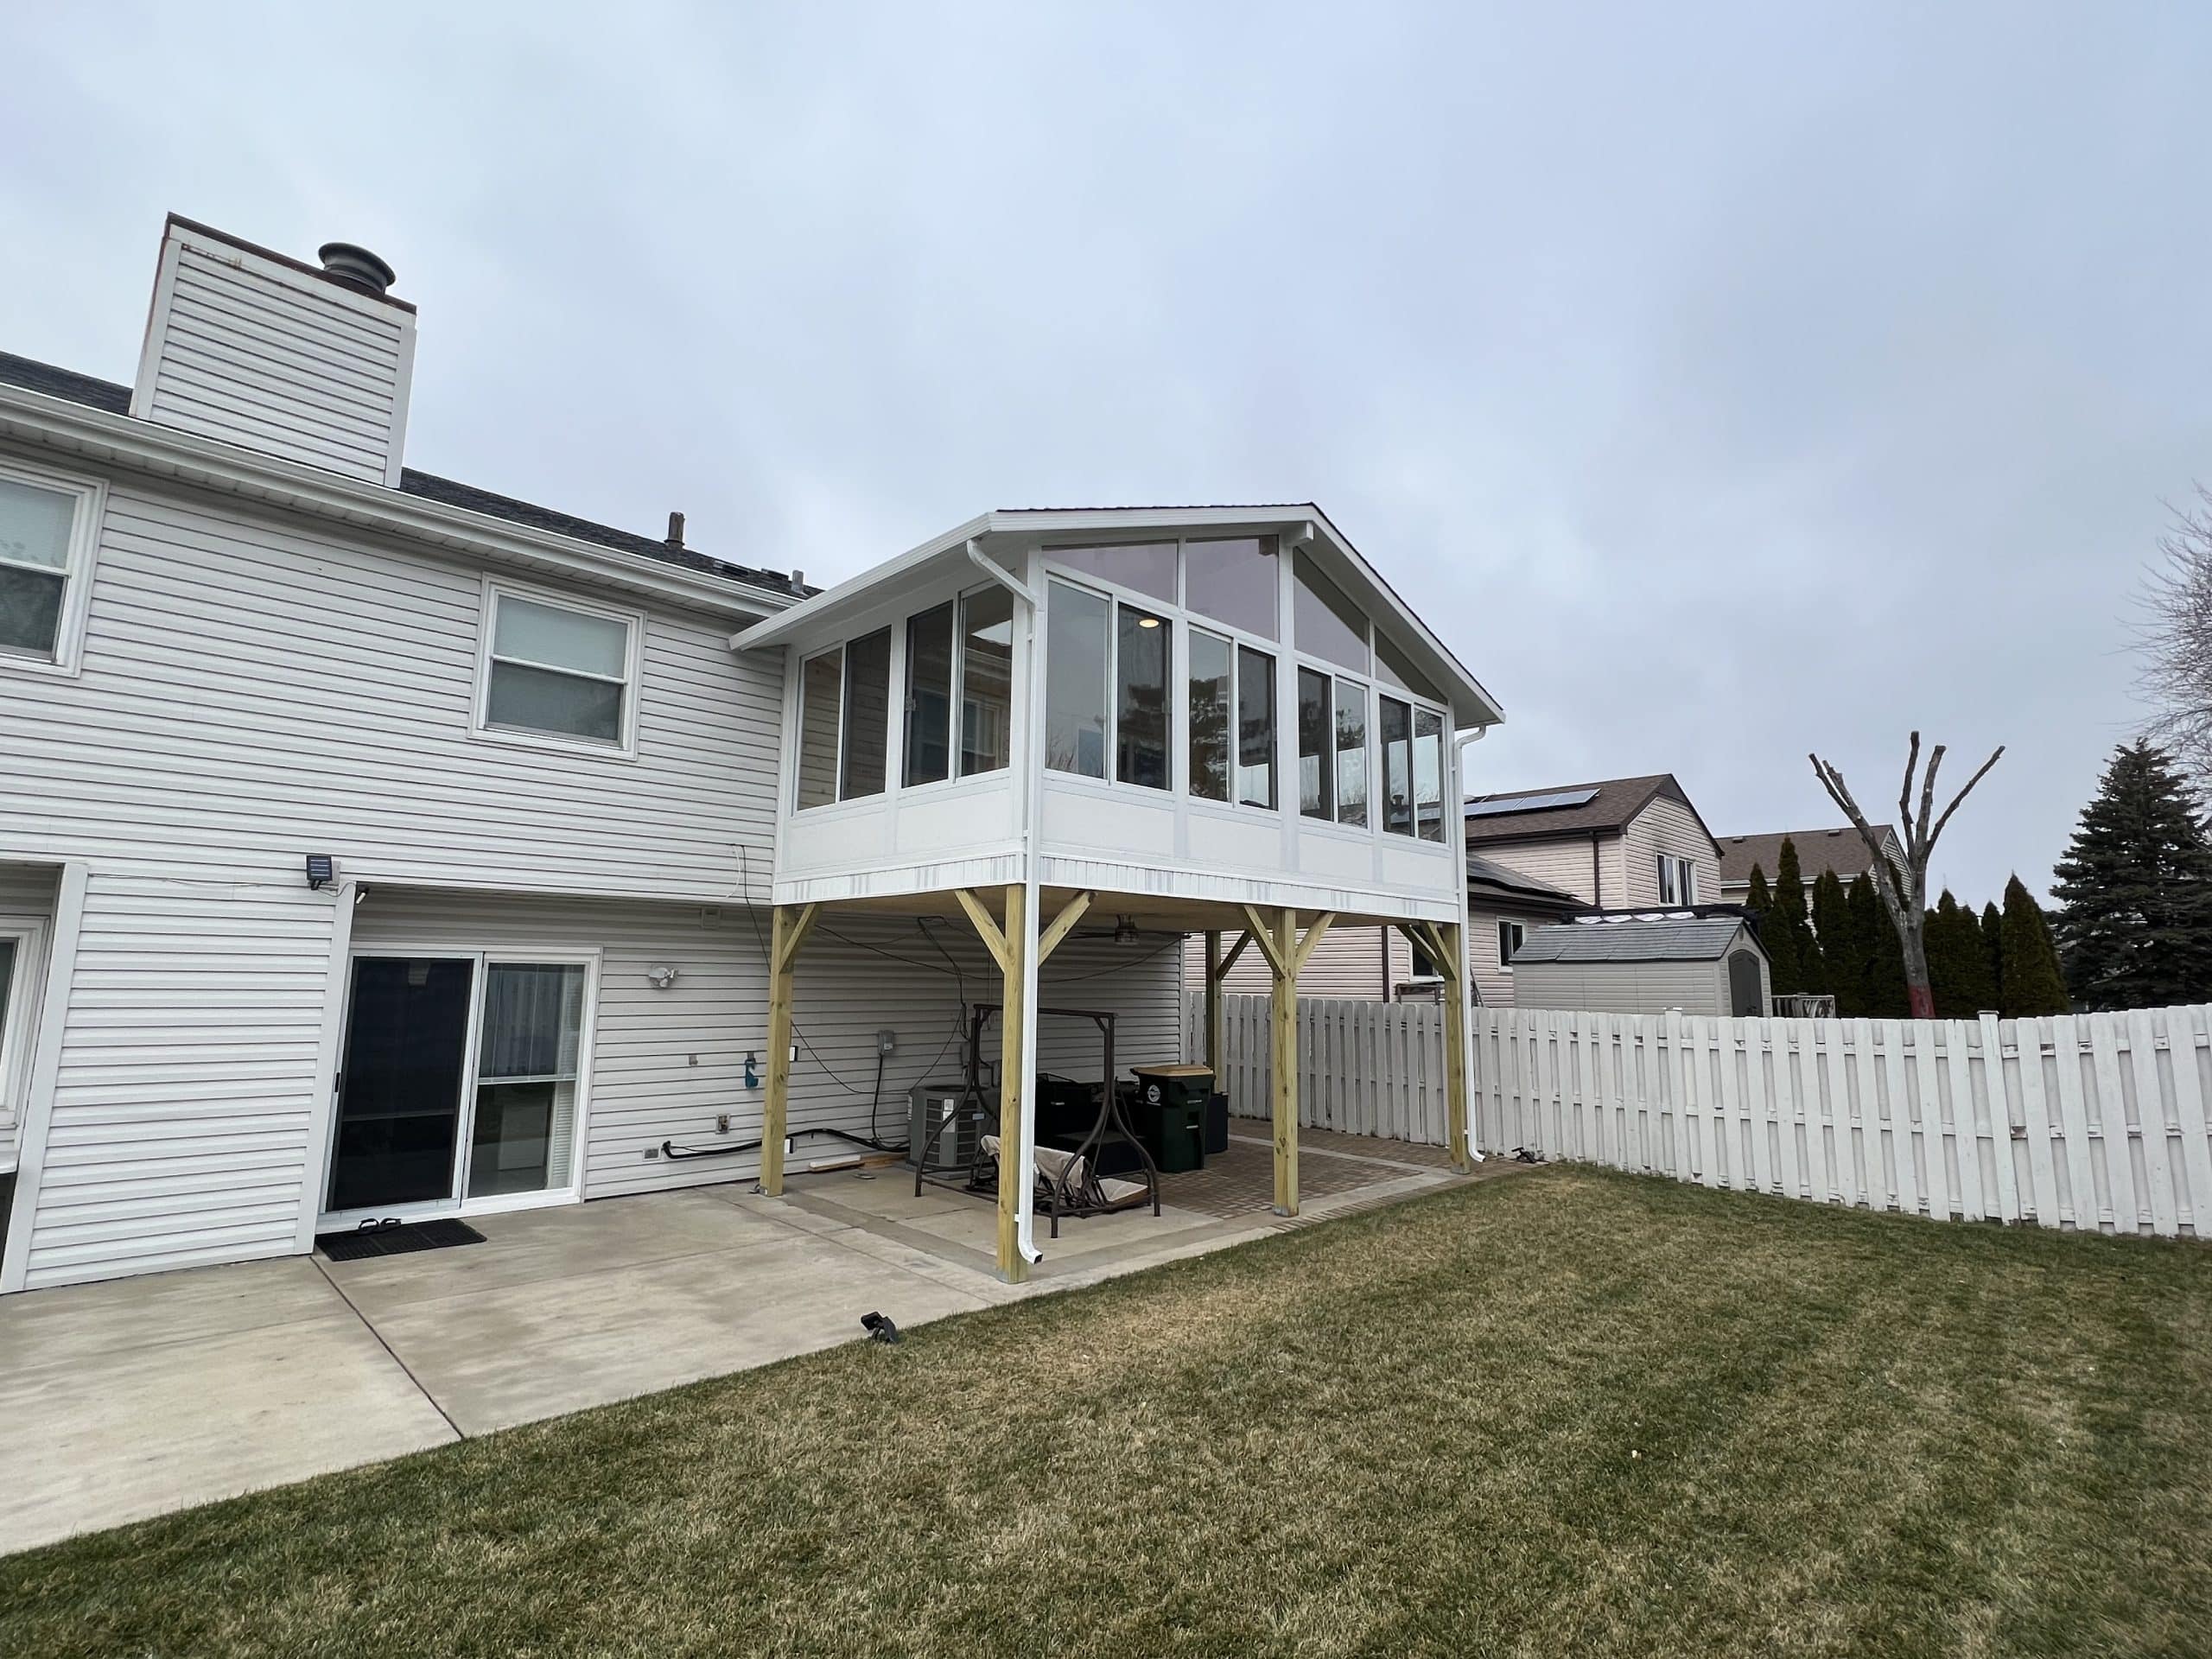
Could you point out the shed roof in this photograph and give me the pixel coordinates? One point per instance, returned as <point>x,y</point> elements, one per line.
<point>1690,938</point>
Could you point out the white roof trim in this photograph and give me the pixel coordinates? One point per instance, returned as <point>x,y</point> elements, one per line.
<point>56,423</point>
<point>1301,520</point>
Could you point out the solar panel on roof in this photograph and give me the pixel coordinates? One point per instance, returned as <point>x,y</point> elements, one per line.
<point>1531,802</point>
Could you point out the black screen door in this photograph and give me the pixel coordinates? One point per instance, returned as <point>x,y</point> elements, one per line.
<point>400,1095</point>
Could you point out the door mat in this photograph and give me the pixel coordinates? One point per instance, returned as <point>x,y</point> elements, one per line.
<point>394,1239</point>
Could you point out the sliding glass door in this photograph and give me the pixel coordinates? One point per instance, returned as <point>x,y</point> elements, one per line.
<point>463,1084</point>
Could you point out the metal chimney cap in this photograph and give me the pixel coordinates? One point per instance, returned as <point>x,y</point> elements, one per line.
<point>356,267</point>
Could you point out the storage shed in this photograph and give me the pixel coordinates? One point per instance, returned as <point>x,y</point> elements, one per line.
<point>1701,964</point>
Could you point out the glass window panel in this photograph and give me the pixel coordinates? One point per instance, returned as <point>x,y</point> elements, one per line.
<point>1208,716</point>
<point>30,610</point>
<point>821,687</point>
<point>1147,566</point>
<point>1233,581</point>
<point>1074,682</point>
<point>1325,623</point>
<point>1509,938</point>
<point>1428,774</point>
<point>1255,728</point>
<point>1140,698</point>
<point>524,1140</point>
<point>524,699</point>
<point>868,714</point>
<point>1397,733</point>
<point>986,680</point>
<point>1394,667</point>
<point>553,637</point>
<point>34,524</point>
<point>7,984</point>
<point>929,695</point>
<point>1316,746</point>
<point>1351,753</point>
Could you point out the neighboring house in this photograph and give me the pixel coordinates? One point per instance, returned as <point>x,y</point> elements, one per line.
<point>1534,856</point>
<point>1700,964</point>
<point>375,845</point>
<point>1842,850</point>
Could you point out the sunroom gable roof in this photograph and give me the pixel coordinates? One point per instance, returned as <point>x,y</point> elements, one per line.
<point>820,620</point>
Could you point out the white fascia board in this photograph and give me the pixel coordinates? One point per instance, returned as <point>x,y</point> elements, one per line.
<point>856,592</point>
<point>147,446</point>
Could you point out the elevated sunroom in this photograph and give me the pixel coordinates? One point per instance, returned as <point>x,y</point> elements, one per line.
<point>1216,720</point>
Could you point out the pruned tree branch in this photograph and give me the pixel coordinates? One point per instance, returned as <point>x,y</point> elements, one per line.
<point>2173,631</point>
<point>1904,893</point>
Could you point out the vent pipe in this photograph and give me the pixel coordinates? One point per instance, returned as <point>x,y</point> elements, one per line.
<point>356,267</point>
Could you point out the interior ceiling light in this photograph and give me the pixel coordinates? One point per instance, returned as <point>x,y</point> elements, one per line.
<point>1148,622</point>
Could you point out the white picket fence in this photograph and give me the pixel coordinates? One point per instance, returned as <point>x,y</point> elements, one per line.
<point>1363,1067</point>
<point>2092,1120</point>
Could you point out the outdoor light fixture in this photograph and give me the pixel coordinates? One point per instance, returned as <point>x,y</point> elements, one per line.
<point>1125,930</point>
<point>662,978</point>
<point>322,870</point>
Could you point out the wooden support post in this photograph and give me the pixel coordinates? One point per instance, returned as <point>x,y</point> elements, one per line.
<point>789,933</point>
<point>1217,1035</point>
<point>1282,1028</point>
<point>1453,965</point>
<point>1013,1167</point>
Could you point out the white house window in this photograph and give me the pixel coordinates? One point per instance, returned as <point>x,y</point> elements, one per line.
<point>559,670</point>
<point>1255,728</point>
<point>1076,649</point>
<point>1428,774</point>
<point>1351,753</point>
<point>1233,581</point>
<point>1677,880</point>
<point>844,721</point>
<point>986,680</point>
<point>1210,705</point>
<point>1509,938</point>
<point>1140,698</point>
<point>1327,624</point>
<point>929,695</point>
<point>1396,734</point>
<point>48,525</point>
<point>1316,746</point>
<point>11,957</point>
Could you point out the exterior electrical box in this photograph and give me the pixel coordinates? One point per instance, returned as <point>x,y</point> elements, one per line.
<point>936,1109</point>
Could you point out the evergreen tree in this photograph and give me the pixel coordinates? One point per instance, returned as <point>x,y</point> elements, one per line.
<point>1972,988</point>
<point>2134,924</point>
<point>1882,993</point>
<point>1945,974</point>
<point>2033,983</point>
<point>1809,973</point>
<point>1992,945</point>
<point>1842,951</point>
<point>1774,933</point>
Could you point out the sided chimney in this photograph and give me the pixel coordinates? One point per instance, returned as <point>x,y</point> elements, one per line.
<point>308,363</point>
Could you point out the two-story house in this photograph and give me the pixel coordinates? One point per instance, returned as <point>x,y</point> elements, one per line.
<point>374,845</point>
<point>1840,849</point>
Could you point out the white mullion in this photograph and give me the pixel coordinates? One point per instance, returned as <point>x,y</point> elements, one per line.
<point>552,668</point>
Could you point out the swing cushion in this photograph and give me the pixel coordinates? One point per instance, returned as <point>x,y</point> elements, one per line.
<point>1068,1171</point>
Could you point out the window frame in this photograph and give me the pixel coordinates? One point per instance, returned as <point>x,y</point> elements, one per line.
<point>19,1034</point>
<point>632,683</point>
<point>1679,874</point>
<point>78,569</point>
<point>1520,931</point>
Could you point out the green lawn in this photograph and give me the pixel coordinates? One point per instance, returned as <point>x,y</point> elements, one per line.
<point>1567,1412</point>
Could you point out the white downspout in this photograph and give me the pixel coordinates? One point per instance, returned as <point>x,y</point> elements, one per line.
<point>1033,812</point>
<point>1466,942</point>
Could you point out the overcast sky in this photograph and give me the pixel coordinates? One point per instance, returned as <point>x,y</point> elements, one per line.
<point>1720,385</point>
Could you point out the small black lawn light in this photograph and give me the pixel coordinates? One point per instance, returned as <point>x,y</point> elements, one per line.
<point>879,1327</point>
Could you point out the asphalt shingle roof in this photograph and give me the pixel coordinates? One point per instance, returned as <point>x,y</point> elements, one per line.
<point>1699,938</point>
<point>1839,850</point>
<point>1617,800</point>
<point>107,396</point>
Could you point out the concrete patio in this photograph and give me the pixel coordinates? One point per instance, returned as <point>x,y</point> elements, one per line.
<point>122,1400</point>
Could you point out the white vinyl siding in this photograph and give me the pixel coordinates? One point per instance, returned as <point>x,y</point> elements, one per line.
<point>251,692</point>
<point>665,1064</point>
<point>247,350</point>
<point>184,1106</point>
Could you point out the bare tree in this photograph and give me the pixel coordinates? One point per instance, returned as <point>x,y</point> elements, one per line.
<point>2175,634</point>
<point>1904,892</point>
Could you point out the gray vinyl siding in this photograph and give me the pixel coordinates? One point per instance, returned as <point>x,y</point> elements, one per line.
<point>252,691</point>
<point>1349,962</point>
<point>279,362</point>
<point>665,1064</point>
<point>1493,984</point>
<point>1622,987</point>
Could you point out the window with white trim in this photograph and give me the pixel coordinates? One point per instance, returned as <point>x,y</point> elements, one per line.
<point>1511,937</point>
<point>19,958</point>
<point>844,722</point>
<point>1677,880</point>
<point>559,670</point>
<point>48,524</point>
